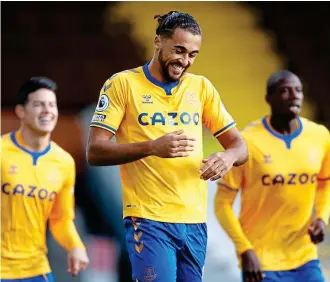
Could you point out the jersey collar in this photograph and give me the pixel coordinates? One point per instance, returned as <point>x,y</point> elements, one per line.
<point>17,139</point>
<point>166,86</point>
<point>286,138</point>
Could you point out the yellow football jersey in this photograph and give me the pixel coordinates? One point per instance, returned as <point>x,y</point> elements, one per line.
<point>35,187</point>
<point>279,188</point>
<point>136,107</point>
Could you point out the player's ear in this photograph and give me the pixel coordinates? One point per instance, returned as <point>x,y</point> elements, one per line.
<point>267,98</point>
<point>19,110</point>
<point>157,42</point>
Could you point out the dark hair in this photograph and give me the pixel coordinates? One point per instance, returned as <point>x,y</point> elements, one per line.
<point>169,22</point>
<point>275,78</point>
<point>33,84</point>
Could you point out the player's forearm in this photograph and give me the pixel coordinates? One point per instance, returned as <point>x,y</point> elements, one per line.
<point>237,149</point>
<point>322,200</point>
<point>227,219</point>
<point>65,233</point>
<point>104,153</point>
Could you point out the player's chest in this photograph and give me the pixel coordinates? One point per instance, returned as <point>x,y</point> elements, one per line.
<point>155,108</point>
<point>278,165</point>
<point>23,179</point>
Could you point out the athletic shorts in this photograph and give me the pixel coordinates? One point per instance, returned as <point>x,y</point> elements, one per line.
<point>165,252</point>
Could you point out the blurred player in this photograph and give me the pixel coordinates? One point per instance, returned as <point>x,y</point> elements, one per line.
<point>37,184</point>
<point>156,112</point>
<point>287,174</point>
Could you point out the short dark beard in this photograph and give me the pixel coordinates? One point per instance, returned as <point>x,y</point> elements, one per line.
<point>164,69</point>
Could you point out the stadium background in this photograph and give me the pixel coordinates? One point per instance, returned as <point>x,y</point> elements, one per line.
<point>81,44</point>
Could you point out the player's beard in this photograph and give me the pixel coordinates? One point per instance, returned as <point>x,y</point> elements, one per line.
<point>164,68</point>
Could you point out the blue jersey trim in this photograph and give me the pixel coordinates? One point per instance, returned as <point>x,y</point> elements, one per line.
<point>286,138</point>
<point>35,155</point>
<point>223,129</point>
<point>104,126</point>
<point>166,86</point>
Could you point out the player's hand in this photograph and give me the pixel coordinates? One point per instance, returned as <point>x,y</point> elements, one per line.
<point>173,145</point>
<point>77,260</point>
<point>216,166</point>
<point>251,267</point>
<point>316,231</point>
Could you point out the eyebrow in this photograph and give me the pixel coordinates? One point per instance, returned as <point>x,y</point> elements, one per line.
<point>185,49</point>
<point>41,101</point>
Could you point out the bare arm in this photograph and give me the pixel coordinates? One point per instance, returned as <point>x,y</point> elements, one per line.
<point>234,144</point>
<point>235,154</point>
<point>101,152</point>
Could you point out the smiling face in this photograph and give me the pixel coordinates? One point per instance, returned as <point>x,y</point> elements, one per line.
<point>287,98</point>
<point>40,112</point>
<point>177,53</point>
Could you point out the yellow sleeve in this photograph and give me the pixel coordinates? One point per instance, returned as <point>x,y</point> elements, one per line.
<point>225,196</point>
<point>111,105</point>
<point>215,116</point>
<point>322,200</point>
<point>62,215</point>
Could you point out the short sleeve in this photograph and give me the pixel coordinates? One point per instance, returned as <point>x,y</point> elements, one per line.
<point>111,105</point>
<point>215,116</point>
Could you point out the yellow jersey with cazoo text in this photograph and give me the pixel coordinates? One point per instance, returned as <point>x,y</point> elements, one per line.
<point>137,108</point>
<point>285,178</point>
<point>35,187</point>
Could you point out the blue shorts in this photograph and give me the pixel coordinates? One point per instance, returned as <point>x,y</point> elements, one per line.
<point>309,272</point>
<point>165,252</point>
<point>40,278</point>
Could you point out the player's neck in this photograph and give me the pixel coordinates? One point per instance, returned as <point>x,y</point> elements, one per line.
<point>284,125</point>
<point>155,70</point>
<point>34,142</point>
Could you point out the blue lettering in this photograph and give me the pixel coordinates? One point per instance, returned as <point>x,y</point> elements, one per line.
<point>140,119</point>
<point>264,177</point>
<point>41,191</point>
<point>31,193</point>
<point>314,178</point>
<point>173,116</point>
<point>196,118</point>
<point>3,188</point>
<point>292,177</point>
<point>28,191</point>
<point>278,179</point>
<point>303,178</point>
<point>18,189</point>
<point>158,117</point>
<point>52,196</point>
<point>185,114</point>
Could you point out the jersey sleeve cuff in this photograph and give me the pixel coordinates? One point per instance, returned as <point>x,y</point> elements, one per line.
<point>104,126</point>
<point>224,129</point>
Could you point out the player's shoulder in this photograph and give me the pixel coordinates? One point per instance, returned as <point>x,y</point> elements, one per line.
<point>61,154</point>
<point>126,74</point>
<point>252,129</point>
<point>5,140</point>
<point>123,78</point>
<point>314,128</point>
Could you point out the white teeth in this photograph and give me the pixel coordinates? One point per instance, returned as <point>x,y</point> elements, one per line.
<point>177,67</point>
<point>46,119</point>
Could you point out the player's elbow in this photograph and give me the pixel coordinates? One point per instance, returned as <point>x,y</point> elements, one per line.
<point>96,156</point>
<point>92,155</point>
